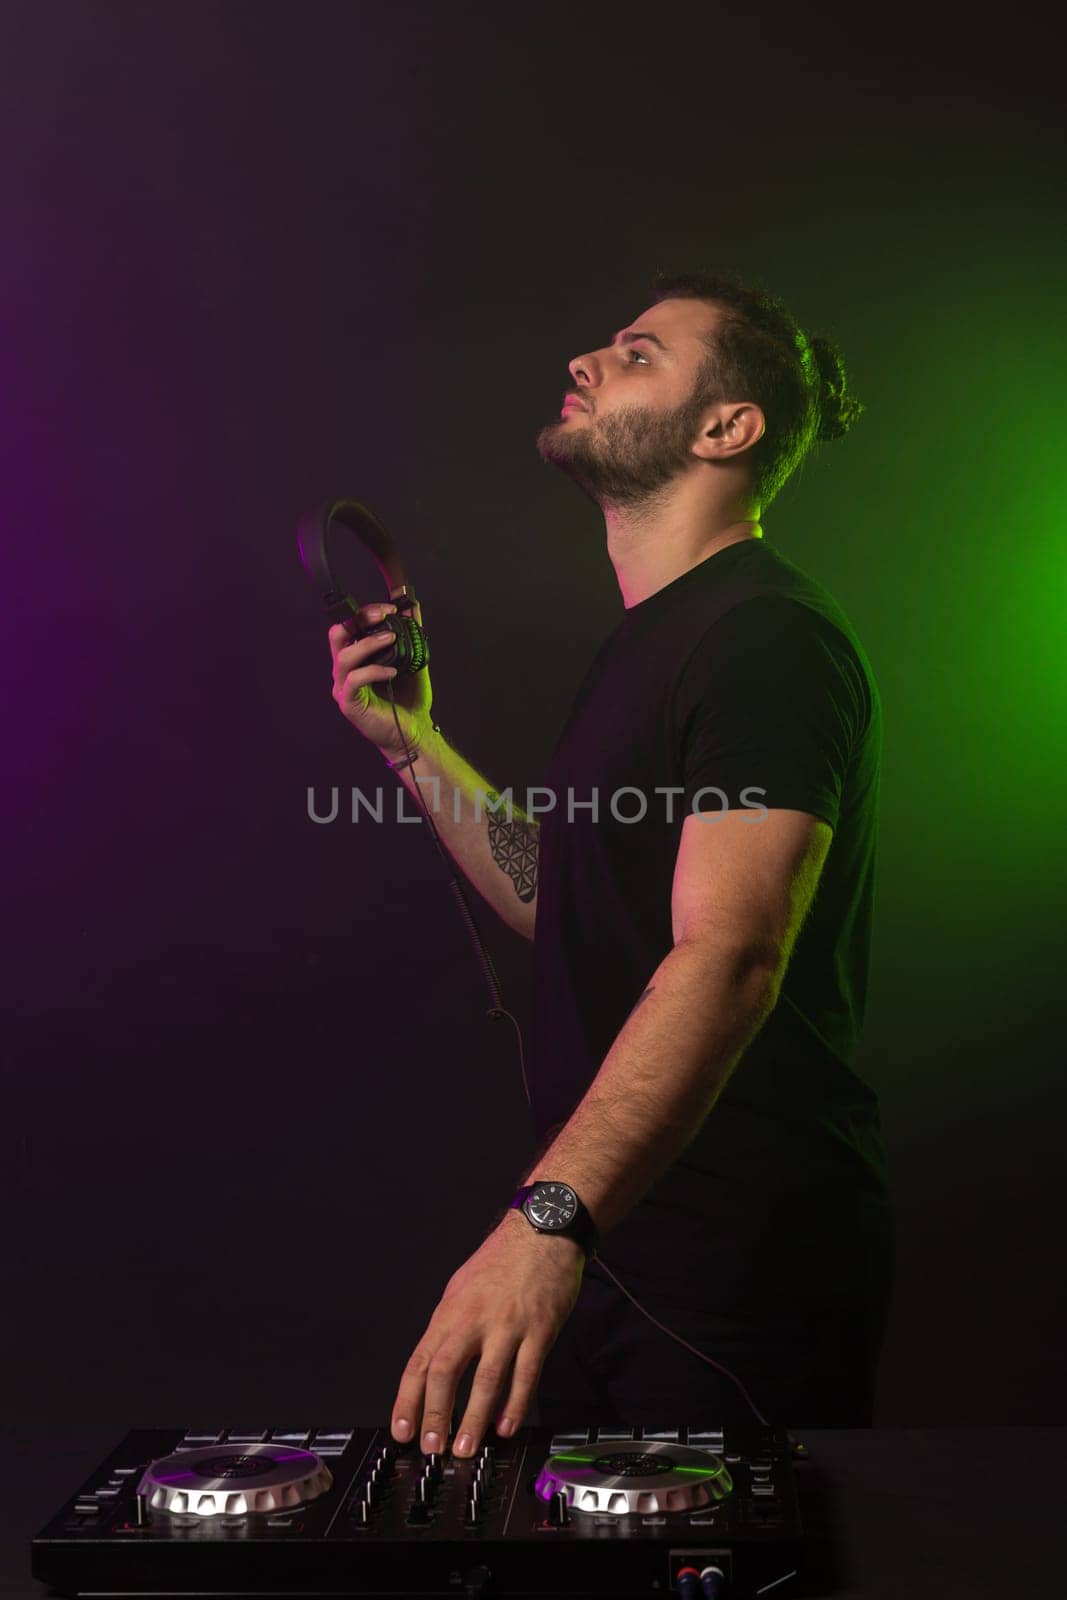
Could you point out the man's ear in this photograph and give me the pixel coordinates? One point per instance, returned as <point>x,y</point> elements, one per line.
<point>730,428</point>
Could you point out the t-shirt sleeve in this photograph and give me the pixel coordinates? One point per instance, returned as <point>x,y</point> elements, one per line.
<point>769,707</point>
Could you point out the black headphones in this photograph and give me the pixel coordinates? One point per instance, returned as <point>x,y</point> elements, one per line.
<point>410,650</point>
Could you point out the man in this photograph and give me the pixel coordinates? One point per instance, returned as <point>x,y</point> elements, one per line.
<point>701,927</point>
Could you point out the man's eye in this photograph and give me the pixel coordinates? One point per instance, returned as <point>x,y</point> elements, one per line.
<point>638,353</point>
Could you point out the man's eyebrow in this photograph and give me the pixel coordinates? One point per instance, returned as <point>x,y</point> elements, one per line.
<point>631,338</point>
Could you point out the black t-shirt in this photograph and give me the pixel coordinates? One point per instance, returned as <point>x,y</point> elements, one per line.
<point>740,683</point>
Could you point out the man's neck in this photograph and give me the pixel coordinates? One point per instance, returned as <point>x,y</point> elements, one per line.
<point>650,550</point>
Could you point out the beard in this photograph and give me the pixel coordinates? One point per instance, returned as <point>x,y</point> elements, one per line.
<point>628,458</point>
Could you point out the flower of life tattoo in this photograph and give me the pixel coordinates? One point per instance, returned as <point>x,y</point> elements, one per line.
<point>514,847</point>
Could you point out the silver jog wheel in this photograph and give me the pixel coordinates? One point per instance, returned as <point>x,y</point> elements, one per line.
<point>233,1480</point>
<point>638,1476</point>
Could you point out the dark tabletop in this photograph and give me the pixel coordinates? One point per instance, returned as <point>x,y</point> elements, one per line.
<point>890,1514</point>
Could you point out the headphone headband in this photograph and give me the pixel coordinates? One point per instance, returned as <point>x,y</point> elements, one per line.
<point>313,537</point>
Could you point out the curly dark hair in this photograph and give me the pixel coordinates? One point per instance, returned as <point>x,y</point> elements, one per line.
<point>760,353</point>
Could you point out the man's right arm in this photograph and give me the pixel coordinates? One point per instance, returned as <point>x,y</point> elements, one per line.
<point>492,840</point>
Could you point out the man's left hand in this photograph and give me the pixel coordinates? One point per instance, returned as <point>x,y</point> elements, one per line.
<point>506,1304</point>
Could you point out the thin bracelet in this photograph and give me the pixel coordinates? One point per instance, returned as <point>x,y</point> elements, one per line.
<point>409,761</point>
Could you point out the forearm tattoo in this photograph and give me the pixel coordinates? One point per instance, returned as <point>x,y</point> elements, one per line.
<point>514,848</point>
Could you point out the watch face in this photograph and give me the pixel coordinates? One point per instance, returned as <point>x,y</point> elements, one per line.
<point>551,1205</point>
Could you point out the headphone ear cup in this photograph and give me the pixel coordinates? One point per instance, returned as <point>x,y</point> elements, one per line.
<point>412,645</point>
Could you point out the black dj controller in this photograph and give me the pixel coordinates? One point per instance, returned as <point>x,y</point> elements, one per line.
<point>347,1511</point>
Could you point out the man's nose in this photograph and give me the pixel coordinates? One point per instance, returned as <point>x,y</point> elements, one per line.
<point>582,370</point>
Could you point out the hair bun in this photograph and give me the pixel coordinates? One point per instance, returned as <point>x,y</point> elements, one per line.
<point>838,409</point>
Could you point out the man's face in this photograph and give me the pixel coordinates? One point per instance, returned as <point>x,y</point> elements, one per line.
<point>632,429</point>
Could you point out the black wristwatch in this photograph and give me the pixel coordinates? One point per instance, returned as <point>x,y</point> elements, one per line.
<point>555,1208</point>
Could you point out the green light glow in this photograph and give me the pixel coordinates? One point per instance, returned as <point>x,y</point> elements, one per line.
<point>701,1472</point>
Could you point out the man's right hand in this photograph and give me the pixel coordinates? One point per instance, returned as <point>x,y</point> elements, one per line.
<point>358,685</point>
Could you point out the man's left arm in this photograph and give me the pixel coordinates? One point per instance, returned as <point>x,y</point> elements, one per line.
<point>742,887</point>
<point>743,883</point>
